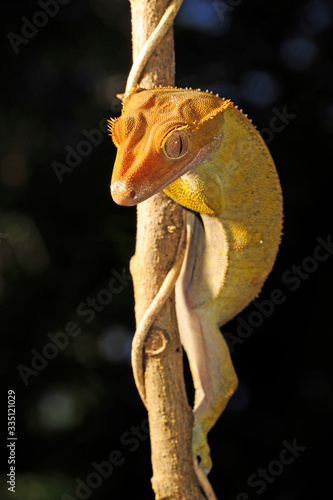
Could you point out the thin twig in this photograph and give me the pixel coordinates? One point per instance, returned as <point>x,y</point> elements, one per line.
<point>151,44</point>
<point>150,316</point>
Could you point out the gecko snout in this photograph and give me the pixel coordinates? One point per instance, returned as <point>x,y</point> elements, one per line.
<point>122,194</point>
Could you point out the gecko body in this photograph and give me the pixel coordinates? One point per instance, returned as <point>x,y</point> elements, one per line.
<point>208,157</point>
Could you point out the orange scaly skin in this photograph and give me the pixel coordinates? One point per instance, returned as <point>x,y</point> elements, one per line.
<point>208,157</point>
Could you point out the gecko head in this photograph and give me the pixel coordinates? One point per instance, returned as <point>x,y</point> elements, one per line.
<point>161,134</point>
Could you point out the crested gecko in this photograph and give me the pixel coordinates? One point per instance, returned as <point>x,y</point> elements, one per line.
<point>206,155</point>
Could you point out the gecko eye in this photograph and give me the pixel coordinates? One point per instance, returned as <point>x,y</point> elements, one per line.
<point>177,144</point>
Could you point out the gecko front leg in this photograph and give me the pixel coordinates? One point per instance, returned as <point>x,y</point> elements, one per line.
<point>212,370</point>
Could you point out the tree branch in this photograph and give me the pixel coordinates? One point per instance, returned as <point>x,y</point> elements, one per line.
<point>159,232</point>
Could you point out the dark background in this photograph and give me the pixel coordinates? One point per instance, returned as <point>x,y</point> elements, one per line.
<point>61,241</point>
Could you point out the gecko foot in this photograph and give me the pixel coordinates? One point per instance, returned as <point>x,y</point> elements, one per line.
<point>201,451</point>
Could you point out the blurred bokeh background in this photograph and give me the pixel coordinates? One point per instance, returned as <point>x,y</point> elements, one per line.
<point>65,249</point>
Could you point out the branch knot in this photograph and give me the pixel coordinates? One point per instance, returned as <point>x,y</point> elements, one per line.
<point>156,342</point>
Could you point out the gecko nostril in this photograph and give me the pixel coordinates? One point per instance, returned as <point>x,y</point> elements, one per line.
<point>132,194</point>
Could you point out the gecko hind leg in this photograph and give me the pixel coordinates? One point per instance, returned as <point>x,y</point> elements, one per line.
<point>213,374</point>
<point>218,382</point>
